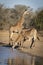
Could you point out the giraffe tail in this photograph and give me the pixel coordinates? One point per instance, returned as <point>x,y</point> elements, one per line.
<point>38,38</point>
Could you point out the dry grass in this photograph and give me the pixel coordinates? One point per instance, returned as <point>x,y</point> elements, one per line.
<point>4,36</point>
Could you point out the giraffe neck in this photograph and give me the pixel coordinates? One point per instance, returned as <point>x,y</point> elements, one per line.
<point>21,21</point>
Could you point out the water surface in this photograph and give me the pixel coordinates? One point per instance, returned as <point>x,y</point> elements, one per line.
<point>15,57</point>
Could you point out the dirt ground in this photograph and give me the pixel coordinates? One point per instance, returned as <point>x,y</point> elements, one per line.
<point>36,50</point>
<point>4,36</point>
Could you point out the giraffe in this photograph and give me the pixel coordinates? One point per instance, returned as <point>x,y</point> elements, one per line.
<point>18,27</point>
<point>26,34</point>
<point>31,35</point>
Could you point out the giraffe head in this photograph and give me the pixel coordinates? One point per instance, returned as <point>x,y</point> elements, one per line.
<point>25,12</point>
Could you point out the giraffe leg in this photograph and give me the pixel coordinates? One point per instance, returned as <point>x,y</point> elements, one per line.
<point>14,45</point>
<point>38,38</point>
<point>32,42</point>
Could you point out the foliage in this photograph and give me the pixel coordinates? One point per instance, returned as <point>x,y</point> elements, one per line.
<point>10,16</point>
<point>37,20</point>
